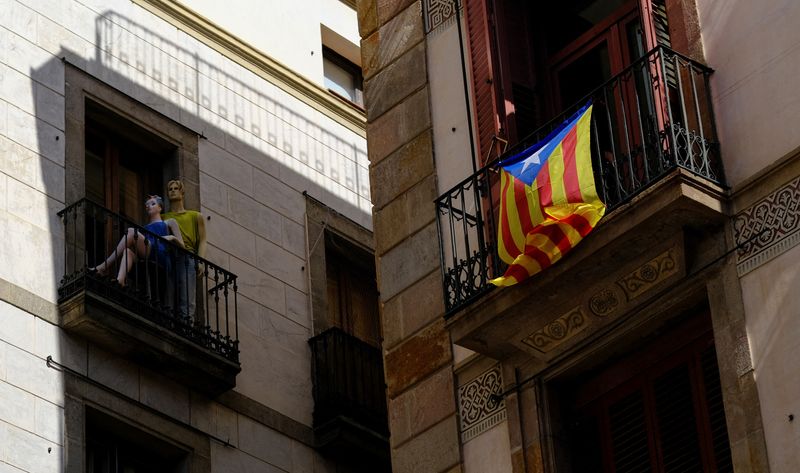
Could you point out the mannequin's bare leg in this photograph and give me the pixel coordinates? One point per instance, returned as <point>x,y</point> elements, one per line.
<point>131,239</point>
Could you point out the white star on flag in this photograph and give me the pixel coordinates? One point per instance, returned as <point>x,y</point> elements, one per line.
<point>531,160</point>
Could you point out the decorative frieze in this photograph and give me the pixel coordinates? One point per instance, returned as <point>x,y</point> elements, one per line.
<point>558,331</point>
<point>648,275</point>
<point>604,302</point>
<point>768,228</point>
<point>612,297</point>
<point>479,407</point>
<point>438,12</point>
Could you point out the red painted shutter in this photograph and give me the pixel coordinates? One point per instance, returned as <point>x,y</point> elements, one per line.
<point>517,76</point>
<point>483,80</point>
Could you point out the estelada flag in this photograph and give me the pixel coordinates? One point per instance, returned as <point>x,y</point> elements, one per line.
<point>548,201</point>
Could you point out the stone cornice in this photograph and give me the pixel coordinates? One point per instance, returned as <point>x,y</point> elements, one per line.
<point>259,63</point>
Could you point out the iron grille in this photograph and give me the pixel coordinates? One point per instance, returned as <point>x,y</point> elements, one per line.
<point>152,287</point>
<point>348,380</point>
<point>652,118</point>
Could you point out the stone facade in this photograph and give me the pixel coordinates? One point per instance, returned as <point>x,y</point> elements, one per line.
<point>249,148</point>
<point>685,250</point>
<point>418,353</point>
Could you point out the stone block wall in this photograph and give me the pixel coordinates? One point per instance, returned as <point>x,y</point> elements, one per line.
<point>260,148</point>
<point>418,353</point>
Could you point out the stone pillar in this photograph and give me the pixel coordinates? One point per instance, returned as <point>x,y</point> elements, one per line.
<point>740,395</point>
<point>417,349</point>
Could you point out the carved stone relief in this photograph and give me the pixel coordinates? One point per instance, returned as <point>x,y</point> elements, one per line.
<point>479,410</point>
<point>558,331</point>
<point>605,302</point>
<point>648,275</point>
<point>768,228</point>
<point>438,12</point>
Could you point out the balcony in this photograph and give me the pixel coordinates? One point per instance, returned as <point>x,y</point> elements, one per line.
<point>657,168</point>
<point>349,399</point>
<point>149,319</point>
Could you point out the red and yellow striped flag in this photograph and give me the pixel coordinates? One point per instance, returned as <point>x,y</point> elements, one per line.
<point>548,201</point>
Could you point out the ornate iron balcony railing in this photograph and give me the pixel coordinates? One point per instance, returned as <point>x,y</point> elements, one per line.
<point>653,117</point>
<point>348,381</point>
<point>157,288</point>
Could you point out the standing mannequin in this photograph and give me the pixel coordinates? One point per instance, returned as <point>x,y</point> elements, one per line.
<point>193,230</point>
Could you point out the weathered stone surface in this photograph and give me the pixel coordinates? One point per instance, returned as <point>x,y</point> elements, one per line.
<point>214,418</point>
<point>49,422</point>
<point>405,214</point>
<point>367,16</point>
<point>30,373</point>
<point>280,263</point>
<point>421,407</point>
<point>397,126</point>
<point>18,406</point>
<point>401,170</point>
<point>408,262</point>
<point>391,40</point>
<point>387,9</point>
<point>416,358</point>
<point>412,309</point>
<point>254,216</point>
<point>278,196</point>
<point>164,395</point>
<point>17,327</point>
<point>397,80</point>
<point>30,452</point>
<point>215,194</point>
<point>225,459</point>
<point>435,450</point>
<point>226,167</point>
<point>259,286</point>
<point>265,443</point>
<point>236,239</point>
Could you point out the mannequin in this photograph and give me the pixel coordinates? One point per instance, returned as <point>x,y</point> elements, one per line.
<point>193,231</point>
<point>135,244</point>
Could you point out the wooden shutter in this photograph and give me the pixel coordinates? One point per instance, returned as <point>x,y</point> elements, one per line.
<point>520,110</point>
<point>484,87</point>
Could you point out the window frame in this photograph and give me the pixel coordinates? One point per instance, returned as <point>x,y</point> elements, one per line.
<point>322,224</point>
<point>80,87</point>
<point>349,67</point>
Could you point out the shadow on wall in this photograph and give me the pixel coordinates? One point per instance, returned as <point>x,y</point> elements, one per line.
<point>240,128</point>
<point>193,91</point>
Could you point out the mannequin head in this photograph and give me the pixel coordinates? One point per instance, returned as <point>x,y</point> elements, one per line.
<point>154,205</point>
<point>175,190</point>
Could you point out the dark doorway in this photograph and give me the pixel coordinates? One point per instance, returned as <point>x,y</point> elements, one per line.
<point>657,409</point>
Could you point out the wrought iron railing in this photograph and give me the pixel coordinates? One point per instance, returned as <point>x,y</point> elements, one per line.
<point>162,287</point>
<point>348,380</point>
<point>653,117</point>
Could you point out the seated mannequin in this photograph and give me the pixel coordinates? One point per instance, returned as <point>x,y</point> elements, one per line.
<point>135,245</point>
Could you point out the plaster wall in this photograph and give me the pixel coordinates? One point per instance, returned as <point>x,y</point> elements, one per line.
<point>754,48</point>
<point>448,109</point>
<point>489,451</point>
<point>260,149</point>
<point>772,305</point>
<point>287,31</point>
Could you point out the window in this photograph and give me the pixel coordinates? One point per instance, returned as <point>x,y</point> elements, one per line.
<point>118,150</point>
<point>532,60</point>
<point>113,446</point>
<point>659,409</point>
<point>342,77</point>
<point>352,293</point>
<point>124,163</point>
